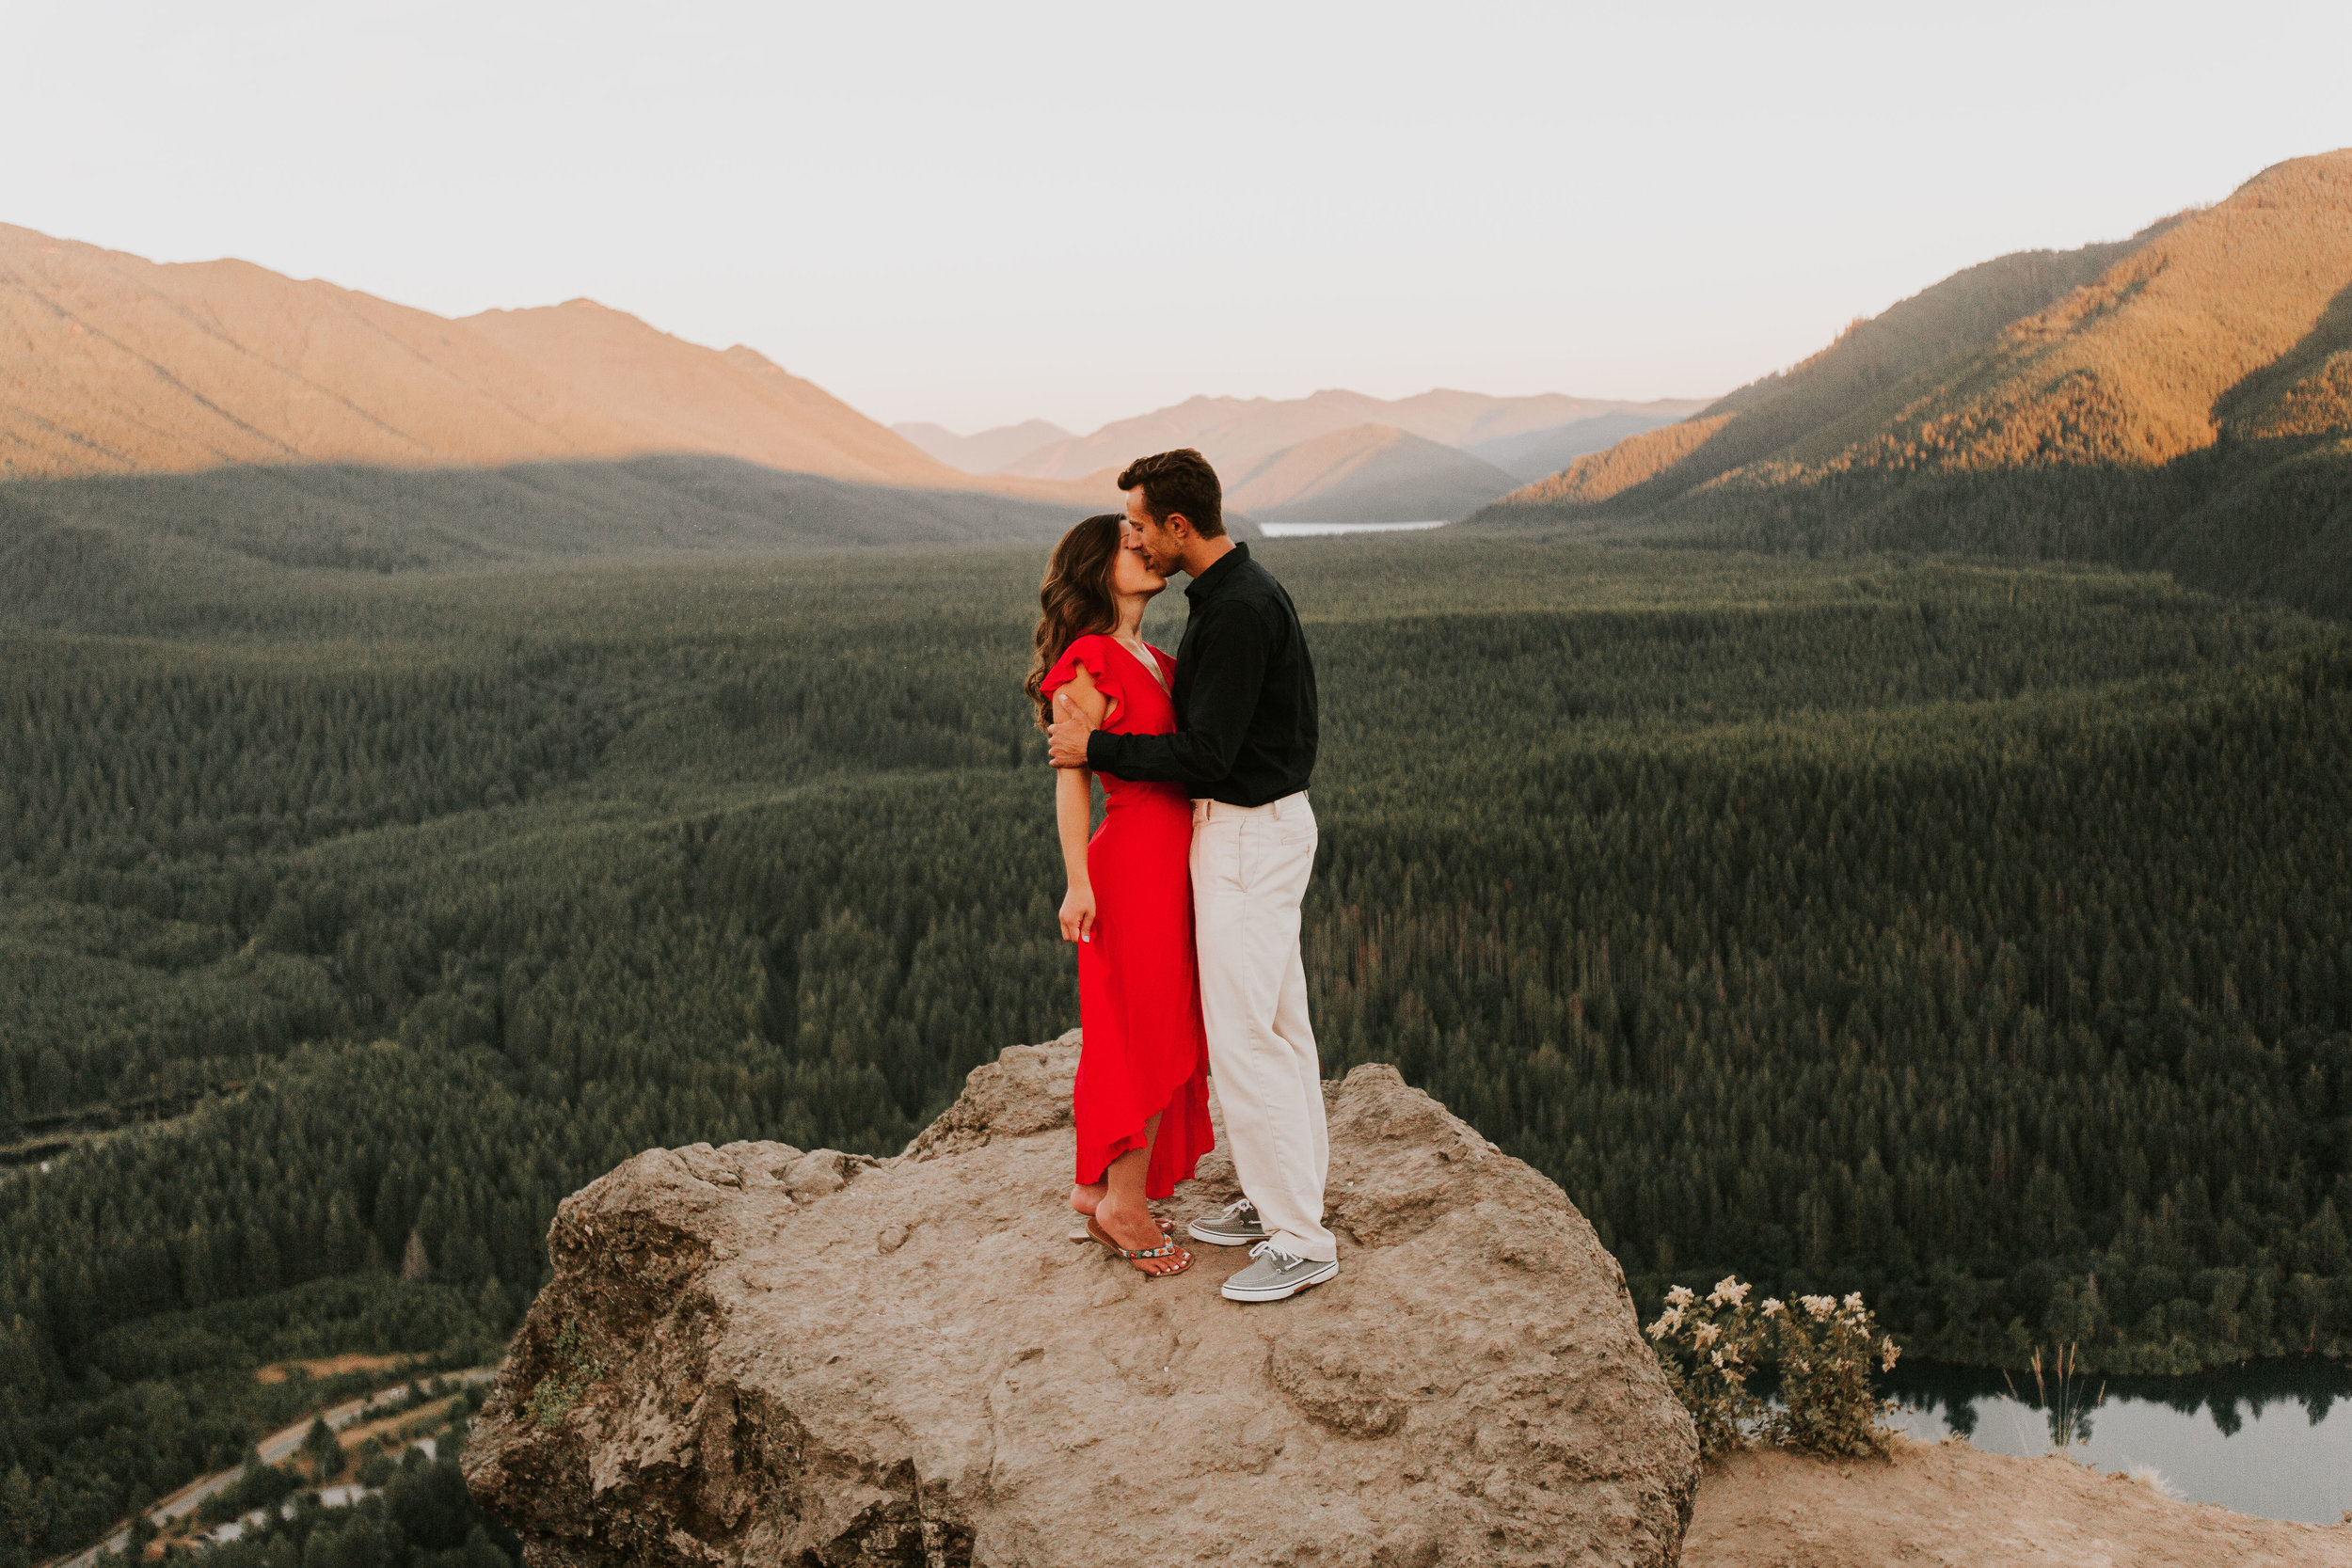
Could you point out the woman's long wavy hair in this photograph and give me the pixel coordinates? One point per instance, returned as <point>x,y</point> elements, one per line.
<point>1075,598</point>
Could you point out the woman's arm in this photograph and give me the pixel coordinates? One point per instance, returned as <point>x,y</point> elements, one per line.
<point>1073,814</point>
<point>1073,808</point>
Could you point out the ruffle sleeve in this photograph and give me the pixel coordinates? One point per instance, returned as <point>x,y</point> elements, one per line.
<point>1093,651</point>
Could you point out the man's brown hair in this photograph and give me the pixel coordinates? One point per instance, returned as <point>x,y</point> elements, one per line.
<point>1180,481</point>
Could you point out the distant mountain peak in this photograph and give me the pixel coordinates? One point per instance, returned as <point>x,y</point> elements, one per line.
<point>1370,473</point>
<point>1237,434</point>
<point>988,452</point>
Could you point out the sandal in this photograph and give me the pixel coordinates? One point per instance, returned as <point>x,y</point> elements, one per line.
<point>1168,1227</point>
<point>1168,1249</point>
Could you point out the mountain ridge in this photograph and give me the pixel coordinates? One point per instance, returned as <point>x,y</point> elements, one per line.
<point>983,451</point>
<point>1237,434</point>
<point>117,365</point>
<point>2180,400</point>
<point>1369,473</point>
<point>1533,455</point>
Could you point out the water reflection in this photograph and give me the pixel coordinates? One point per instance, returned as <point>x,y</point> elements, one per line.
<point>2270,1438</point>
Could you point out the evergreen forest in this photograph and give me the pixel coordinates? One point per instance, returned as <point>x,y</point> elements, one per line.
<point>1975,936</point>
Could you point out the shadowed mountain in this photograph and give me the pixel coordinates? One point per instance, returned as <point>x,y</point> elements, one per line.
<point>64,541</point>
<point>2182,399</point>
<point>1538,452</point>
<point>987,451</point>
<point>1368,473</point>
<point>1238,434</point>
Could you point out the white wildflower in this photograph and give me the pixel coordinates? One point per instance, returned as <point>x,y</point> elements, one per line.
<point>1773,1306</point>
<point>1821,1306</point>
<point>1706,1335</point>
<point>1728,1292</point>
<point>1678,1296</point>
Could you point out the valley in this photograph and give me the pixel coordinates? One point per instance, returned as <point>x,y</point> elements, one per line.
<point>1821,921</point>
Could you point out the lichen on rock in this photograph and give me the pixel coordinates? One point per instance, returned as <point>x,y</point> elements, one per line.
<point>824,1359</point>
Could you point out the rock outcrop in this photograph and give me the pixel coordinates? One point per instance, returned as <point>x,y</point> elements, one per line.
<point>1948,1505</point>
<point>753,1354</point>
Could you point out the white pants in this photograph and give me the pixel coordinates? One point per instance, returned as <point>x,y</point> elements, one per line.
<point>1250,870</point>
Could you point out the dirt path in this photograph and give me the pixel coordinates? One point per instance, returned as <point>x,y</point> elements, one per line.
<point>1949,1505</point>
<point>278,1446</point>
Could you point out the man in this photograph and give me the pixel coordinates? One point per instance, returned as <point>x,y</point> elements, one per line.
<point>1244,746</point>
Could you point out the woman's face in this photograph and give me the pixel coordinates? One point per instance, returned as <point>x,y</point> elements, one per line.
<point>1131,575</point>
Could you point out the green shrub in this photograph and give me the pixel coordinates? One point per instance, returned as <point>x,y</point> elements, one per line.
<point>553,1396</point>
<point>377,1469</point>
<point>324,1449</point>
<point>1822,1349</point>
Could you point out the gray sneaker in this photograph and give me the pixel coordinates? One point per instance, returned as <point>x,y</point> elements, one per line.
<point>1275,1273</point>
<point>1238,1225</point>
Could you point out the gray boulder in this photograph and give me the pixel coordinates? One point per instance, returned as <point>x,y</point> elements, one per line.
<point>751,1355</point>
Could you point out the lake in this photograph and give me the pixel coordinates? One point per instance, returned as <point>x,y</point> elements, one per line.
<point>1302,531</point>
<point>2270,1438</point>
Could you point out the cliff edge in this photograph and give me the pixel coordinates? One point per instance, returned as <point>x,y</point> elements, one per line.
<point>753,1354</point>
<point>1948,1505</point>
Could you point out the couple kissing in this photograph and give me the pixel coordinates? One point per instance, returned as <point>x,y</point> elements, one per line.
<point>1184,904</point>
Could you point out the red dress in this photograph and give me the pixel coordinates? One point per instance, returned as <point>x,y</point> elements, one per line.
<point>1145,1052</point>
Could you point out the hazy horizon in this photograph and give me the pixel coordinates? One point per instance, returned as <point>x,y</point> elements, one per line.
<point>940,218</point>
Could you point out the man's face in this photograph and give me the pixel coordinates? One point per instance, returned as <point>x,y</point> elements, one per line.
<point>1160,546</point>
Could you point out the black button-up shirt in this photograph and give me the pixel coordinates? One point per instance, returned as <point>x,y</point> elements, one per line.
<point>1245,696</point>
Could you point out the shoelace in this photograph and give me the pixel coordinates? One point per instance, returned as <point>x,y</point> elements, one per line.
<point>1276,1256</point>
<point>1240,1206</point>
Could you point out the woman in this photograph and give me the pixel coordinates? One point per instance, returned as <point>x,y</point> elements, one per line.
<point>1142,1100</point>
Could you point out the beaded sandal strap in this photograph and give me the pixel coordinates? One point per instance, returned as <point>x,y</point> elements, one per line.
<point>1177,1257</point>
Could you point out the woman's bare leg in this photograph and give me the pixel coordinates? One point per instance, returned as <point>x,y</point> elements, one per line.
<point>1123,1213</point>
<point>1088,1199</point>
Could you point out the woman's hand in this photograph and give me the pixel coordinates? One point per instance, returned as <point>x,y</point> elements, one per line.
<point>1077,914</point>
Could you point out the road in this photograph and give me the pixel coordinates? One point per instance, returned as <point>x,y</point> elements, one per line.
<point>276,1446</point>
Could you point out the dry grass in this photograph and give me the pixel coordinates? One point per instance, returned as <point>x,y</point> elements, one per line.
<point>404,1424</point>
<point>332,1366</point>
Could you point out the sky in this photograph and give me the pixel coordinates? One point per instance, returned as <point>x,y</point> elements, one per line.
<point>976,215</point>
